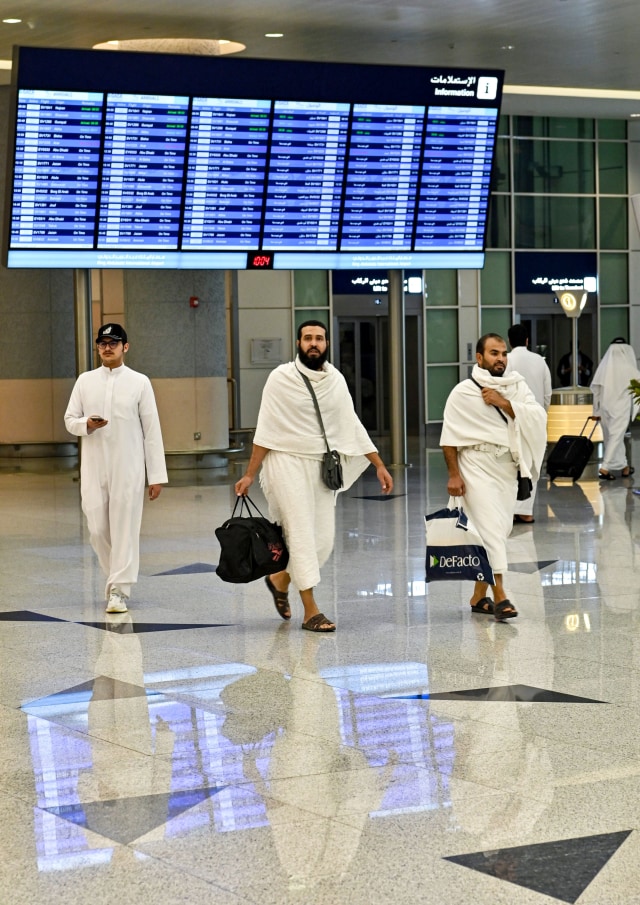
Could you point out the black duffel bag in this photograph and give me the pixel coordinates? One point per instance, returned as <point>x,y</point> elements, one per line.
<point>250,545</point>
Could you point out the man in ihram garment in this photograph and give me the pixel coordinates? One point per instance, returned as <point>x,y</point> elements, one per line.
<point>289,445</point>
<point>492,428</point>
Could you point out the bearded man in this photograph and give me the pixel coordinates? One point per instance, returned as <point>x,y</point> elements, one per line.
<point>288,448</point>
<point>493,427</point>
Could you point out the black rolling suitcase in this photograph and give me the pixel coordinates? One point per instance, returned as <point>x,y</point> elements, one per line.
<point>569,456</point>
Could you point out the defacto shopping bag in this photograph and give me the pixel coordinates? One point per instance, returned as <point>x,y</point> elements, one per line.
<point>455,551</point>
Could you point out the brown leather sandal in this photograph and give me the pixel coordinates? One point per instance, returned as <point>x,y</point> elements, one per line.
<point>319,623</point>
<point>280,598</point>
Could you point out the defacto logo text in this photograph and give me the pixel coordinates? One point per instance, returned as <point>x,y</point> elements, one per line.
<point>454,562</point>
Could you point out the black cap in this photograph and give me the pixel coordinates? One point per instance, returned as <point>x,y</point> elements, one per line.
<point>112,331</point>
<point>619,339</point>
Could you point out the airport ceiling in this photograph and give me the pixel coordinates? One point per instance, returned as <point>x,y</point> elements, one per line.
<point>587,45</point>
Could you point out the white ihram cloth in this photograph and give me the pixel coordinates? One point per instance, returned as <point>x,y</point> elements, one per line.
<point>290,476</point>
<point>536,372</point>
<point>113,461</point>
<point>490,472</point>
<point>613,402</point>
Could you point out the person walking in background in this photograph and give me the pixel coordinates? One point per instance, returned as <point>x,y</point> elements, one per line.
<point>535,371</point>
<point>288,446</point>
<point>613,405</point>
<point>492,428</point>
<point>113,409</point>
<point>565,369</point>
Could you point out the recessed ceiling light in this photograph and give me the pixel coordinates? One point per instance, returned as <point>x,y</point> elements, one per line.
<point>12,21</point>
<point>198,46</point>
<point>634,116</point>
<point>274,34</point>
<point>508,47</point>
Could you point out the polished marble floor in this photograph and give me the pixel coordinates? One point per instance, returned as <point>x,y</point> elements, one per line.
<point>199,749</point>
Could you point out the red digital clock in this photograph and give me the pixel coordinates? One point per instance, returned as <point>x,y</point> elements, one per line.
<point>260,260</point>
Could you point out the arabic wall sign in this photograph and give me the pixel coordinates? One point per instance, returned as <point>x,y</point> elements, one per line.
<point>372,282</point>
<point>543,273</point>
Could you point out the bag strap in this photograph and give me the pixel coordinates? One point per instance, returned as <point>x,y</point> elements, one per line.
<point>456,503</point>
<point>245,503</point>
<point>497,408</point>
<point>317,407</point>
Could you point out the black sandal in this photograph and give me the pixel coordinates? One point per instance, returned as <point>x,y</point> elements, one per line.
<point>504,610</point>
<point>280,598</point>
<point>485,606</point>
<point>607,476</point>
<point>629,473</point>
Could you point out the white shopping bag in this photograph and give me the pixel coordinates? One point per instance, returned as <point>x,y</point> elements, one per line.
<point>455,551</point>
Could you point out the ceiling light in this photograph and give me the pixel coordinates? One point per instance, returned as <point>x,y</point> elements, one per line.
<point>5,64</point>
<point>12,21</point>
<point>274,34</point>
<point>508,47</point>
<point>557,91</point>
<point>634,116</point>
<point>198,46</point>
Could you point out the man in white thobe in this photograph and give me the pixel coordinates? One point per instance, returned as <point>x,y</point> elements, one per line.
<point>613,405</point>
<point>289,445</point>
<point>493,427</point>
<point>536,372</point>
<point>114,410</point>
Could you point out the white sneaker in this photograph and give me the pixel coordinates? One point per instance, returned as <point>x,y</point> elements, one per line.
<point>117,602</point>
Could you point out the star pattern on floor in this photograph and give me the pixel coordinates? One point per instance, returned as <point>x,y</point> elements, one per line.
<point>120,623</point>
<point>379,497</point>
<point>124,820</point>
<point>529,568</point>
<point>562,869</point>
<point>505,693</point>
<point>125,628</point>
<point>195,568</point>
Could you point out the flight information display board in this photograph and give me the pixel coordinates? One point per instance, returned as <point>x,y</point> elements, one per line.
<point>321,178</point>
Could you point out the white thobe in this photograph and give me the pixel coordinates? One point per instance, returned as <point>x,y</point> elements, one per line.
<point>536,372</point>
<point>112,468</point>
<point>290,476</point>
<point>613,402</point>
<point>490,452</point>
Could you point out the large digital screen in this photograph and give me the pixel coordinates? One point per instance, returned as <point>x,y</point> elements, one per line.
<point>152,160</point>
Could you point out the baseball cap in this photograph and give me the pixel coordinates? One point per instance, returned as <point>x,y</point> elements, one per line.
<point>112,331</point>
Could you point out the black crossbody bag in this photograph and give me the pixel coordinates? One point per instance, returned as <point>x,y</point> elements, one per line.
<point>525,485</point>
<point>331,466</point>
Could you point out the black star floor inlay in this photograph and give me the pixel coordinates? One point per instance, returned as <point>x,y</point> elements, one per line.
<point>379,497</point>
<point>102,688</point>
<point>530,567</point>
<point>194,568</point>
<point>126,819</point>
<point>137,627</point>
<point>28,616</point>
<point>505,693</point>
<point>561,869</point>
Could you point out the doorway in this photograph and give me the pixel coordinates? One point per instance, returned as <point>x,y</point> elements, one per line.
<point>362,356</point>
<point>550,336</point>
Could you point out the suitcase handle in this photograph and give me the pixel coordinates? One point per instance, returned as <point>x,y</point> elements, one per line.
<point>595,419</point>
